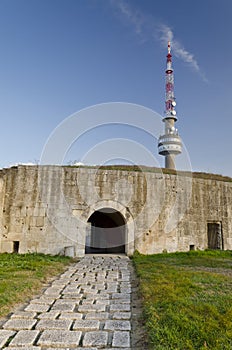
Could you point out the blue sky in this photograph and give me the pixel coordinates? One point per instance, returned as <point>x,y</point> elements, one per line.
<point>60,56</point>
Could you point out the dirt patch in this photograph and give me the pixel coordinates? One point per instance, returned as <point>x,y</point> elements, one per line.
<point>138,332</point>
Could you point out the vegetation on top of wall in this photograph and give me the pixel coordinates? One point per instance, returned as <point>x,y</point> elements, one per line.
<point>143,168</point>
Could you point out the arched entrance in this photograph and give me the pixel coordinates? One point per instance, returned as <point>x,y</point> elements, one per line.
<point>107,232</point>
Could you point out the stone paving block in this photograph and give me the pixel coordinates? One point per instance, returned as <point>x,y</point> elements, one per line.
<point>24,338</point>
<point>85,325</point>
<point>100,288</point>
<point>73,284</point>
<point>117,325</point>
<point>27,348</point>
<point>125,278</point>
<point>125,290</point>
<point>61,305</point>
<point>59,338</point>
<point>98,338</point>
<point>121,315</point>
<point>121,296</point>
<point>70,301</point>
<point>116,348</point>
<point>19,323</point>
<point>111,289</point>
<point>86,287</point>
<point>97,316</point>
<point>87,301</point>
<point>121,301</point>
<point>5,335</point>
<point>90,293</point>
<point>102,302</point>
<point>120,307</point>
<point>121,339</point>
<point>23,314</point>
<point>54,324</point>
<point>44,299</point>
<point>71,349</point>
<point>52,291</point>
<point>37,307</point>
<point>49,315</point>
<point>71,315</point>
<point>75,296</point>
<point>69,290</point>
<point>61,282</point>
<point>91,307</point>
<point>125,284</point>
<point>67,300</point>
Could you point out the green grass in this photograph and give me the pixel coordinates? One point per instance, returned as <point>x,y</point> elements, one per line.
<point>21,276</point>
<point>187,299</point>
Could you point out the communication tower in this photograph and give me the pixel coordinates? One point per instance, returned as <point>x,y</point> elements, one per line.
<point>169,144</point>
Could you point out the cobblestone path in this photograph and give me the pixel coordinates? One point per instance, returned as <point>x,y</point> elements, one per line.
<point>87,307</point>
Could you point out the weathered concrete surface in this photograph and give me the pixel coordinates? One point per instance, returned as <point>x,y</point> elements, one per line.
<point>46,209</point>
<point>91,328</point>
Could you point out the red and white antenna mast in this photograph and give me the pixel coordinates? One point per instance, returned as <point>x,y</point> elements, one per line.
<point>169,144</point>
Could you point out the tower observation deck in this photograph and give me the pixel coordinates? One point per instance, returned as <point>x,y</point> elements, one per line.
<point>169,144</point>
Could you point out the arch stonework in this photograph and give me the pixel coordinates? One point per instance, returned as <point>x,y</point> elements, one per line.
<point>129,222</point>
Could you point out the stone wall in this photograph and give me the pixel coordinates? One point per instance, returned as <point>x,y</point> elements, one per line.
<point>46,208</point>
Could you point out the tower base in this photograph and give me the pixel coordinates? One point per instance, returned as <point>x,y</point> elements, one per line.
<point>170,161</point>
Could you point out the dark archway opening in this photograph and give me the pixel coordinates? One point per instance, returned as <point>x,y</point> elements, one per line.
<point>107,232</point>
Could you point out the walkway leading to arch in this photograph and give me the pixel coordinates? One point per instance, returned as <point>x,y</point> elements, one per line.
<point>87,307</point>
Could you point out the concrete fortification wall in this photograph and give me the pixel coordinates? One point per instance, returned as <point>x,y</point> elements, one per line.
<point>47,209</point>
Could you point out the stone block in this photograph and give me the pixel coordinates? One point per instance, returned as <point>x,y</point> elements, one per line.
<point>37,307</point>
<point>59,338</point>
<point>117,325</point>
<point>18,324</point>
<point>102,302</point>
<point>24,314</point>
<point>122,316</point>
<point>53,292</point>
<point>120,307</point>
<point>121,339</point>
<point>53,324</point>
<point>44,299</point>
<point>121,301</point>
<point>39,221</point>
<point>71,315</point>
<point>98,339</point>
<point>86,325</point>
<point>27,348</point>
<point>24,338</point>
<point>91,307</point>
<point>121,296</point>
<point>78,348</point>
<point>125,290</point>
<point>49,315</point>
<point>63,306</point>
<point>97,316</point>
<point>5,335</point>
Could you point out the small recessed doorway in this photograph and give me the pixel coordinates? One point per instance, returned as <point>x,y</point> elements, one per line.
<point>106,233</point>
<point>215,237</point>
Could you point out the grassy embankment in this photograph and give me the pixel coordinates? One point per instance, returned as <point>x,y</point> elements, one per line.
<point>21,276</point>
<point>187,299</point>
